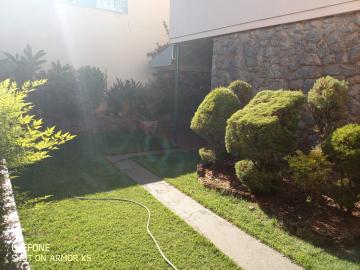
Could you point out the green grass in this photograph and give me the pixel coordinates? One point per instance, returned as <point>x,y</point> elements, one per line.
<point>111,234</point>
<point>179,169</point>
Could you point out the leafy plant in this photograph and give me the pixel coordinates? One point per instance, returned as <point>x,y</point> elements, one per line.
<point>60,97</point>
<point>343,147</point>
<point>344,194</point>
<point>255,179</point>
<point>23,140</point>
<point>242,90</point>
<point>125,96</point>
<point>312,172</point>
<point>26,66</point>
<point>265,130</point>
<point>327,101</point>
<point>210,118</point>
<point>91,84</point>
<point>210,156</point>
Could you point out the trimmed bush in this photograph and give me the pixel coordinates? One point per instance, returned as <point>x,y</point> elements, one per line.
<point>343,147</point>
<point>207,155</point>
<point>210,118</point>
<point>242,90</point>
<point>264,131</point>
<point>327,100</point>
<point>256,180</point>
<point>344,194</point>
<point>312,172</point>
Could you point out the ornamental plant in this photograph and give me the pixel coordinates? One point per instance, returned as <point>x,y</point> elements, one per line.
<point>327,100</point>
<point>91,84</point>
<point>210,118</point>
<point>343,147</point>
<point>311,172</point>
<point>23,139</point>
<point>242,90</point>
<point>254,178</point>
<point>263,132</point>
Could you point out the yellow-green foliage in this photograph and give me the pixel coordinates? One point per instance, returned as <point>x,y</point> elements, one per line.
<point>256,180</point>
<point>242,90</point>
<point>211,156</point>
<point>312,172</point>
<point>23,140</point>
<point>265,130</point>
<point>327,100</point>
<point>343,147</point>
<point>207,155</point>
<point>210,118</point>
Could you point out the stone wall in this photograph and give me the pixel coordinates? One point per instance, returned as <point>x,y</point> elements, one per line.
<point>293,55</point>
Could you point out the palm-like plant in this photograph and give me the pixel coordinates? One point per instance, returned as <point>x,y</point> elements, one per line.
<point>60,96</point>
<point>125,96</point>
<point>27,66</point>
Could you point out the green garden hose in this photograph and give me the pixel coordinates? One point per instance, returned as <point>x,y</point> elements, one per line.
<point>147,226</point>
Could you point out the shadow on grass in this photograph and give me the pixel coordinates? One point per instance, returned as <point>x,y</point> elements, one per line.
<point>170,165</point>
<point>79,167</point>
<point>178,164</point>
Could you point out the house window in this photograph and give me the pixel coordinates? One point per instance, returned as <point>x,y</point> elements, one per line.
<point>120,6</point>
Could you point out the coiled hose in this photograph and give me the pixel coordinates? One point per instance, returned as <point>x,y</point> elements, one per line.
<point>147,225</point>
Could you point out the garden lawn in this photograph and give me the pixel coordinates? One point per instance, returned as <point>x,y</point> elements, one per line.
<point>104,235</point>
<point>179,169</point>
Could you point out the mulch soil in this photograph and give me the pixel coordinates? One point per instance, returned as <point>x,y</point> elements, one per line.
<point>324,224</point>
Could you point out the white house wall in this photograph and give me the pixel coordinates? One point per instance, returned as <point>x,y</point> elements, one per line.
<point>191,19</point>
<point>85,36</point>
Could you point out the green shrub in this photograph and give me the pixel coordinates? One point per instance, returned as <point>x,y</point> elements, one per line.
<point>60,97</point>
<point>125,96</point>
<point>256,180</point>
<point>23,140</point>
<point>242,90</point>
<point>345,194</point>
<point>312,172</point>
<point>327,100</point>
<point>207,155</point>
<point>91,84</point>
<point>343,147</point>
<point>210,118</point>
<point>264,131</point>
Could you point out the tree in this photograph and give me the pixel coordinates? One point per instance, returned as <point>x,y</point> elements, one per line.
<point>23,140</point>
<point>27,66</point>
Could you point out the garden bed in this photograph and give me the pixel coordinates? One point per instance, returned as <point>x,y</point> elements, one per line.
<point>251,214</point>
<point>326,222</point>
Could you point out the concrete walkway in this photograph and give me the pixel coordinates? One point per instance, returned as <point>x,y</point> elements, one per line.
<point>246,251</point>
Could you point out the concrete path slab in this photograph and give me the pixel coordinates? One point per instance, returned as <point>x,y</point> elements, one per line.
<point>246,251</point>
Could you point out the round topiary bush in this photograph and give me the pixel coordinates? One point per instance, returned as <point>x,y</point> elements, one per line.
<point>207,155</point>
<point>210,118</point>
<point>257,181</point>
<point>242,90</point>
<point>327,101</point>
<point>343,147</point>
<point>265,130</point>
